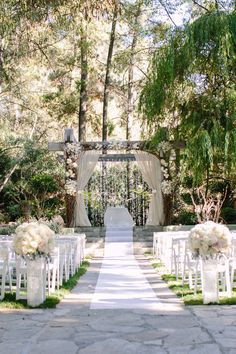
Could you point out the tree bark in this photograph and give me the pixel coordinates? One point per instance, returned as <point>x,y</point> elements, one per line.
<point>83,81</point>
<point>107,78</point>
<point>168,209</point>
<point>130,97</point>
<point>8,176</point>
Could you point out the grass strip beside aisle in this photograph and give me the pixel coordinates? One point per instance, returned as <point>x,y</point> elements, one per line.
<point>10,302</point>
<point>184,292</point>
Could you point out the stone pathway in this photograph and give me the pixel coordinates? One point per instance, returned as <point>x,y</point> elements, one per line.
<point>73,328</point>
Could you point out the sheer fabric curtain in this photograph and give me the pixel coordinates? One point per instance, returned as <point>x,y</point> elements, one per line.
<point>86,165</point>
<point>150,168</point>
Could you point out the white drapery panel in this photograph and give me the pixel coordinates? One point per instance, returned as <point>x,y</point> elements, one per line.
<point>86,165</point>
<point>150,168</point>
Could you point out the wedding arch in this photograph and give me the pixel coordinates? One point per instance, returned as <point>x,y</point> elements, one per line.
<point>80,161</point>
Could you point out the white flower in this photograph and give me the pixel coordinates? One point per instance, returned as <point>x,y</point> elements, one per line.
<point>58,219</point>
<point>166,187</point>
<point>33,239</point>
<point>71,187</point>
<point>209,239</point>
<point>164,163</point>
<point>165,146</point>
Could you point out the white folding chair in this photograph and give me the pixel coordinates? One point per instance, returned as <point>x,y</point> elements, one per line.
<point>191,270</point>
<point>177,255</point>
<point>21,278</point>
<point>52,272</point>
<point>3,270</point>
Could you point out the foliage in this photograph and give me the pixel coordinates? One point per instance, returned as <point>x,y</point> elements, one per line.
<point>185,217</point>
<point>40,69</point>
<point>200,61</point>
<point>35,186</point>
<point>9,229</point>
<point>190,91</point>
<point>228,215</point>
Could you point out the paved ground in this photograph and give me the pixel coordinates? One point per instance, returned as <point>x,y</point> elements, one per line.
<point>75,329</point>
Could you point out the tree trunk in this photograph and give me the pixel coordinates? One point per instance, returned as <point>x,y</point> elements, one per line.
<point>168,209</point>
<point>107,78</point>
<point>70,208</point>
<point>130,98</point>
<point>9,174</point>
<point>83,81</point>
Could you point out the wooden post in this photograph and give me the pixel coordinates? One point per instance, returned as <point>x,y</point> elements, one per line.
<point>70,200</point>
<point>168,208</point>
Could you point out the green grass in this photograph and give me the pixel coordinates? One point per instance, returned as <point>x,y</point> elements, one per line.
<point>188,296</point>
<point>155,262</point>
<point>10,302</point>
<point>184,292</point>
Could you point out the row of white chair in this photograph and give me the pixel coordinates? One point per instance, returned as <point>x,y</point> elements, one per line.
<point>65,261</point>
<point>171,248</point>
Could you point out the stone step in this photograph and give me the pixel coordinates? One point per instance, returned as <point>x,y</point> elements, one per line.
<point>142,237</point>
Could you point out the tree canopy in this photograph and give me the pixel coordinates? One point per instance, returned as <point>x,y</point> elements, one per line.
<point>191,90</point>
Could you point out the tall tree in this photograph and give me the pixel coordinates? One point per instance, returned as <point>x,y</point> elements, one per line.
<point>108,76</point>
<point>83,78</point>
<point>130,93</point>
<point>191,90</point>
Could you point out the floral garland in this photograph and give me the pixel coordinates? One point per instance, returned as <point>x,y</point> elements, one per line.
<point>167,186</point>
<point>72,151</point>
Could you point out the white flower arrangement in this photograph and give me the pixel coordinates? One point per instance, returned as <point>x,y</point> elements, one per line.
<point>71,187</point>
<point>166,187</point>
<point>73,148</point>
<point>165,146</point>
<point>164,163</point>
<point>72,151</point>
<point>209,240</point>
<point>33,240</point>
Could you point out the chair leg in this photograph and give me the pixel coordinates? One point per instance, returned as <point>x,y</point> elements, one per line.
<point>232,277</point>
<point>18,285</point>
<point>196,278</point>
<point>227,280</point>
<point>3,283</point>
<point>184,271</point>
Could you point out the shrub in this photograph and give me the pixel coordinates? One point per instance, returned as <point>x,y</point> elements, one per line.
<point>186,217</point>
<point>229,215</point>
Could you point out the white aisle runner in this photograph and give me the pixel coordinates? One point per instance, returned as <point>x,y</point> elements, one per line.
<point>121,283</point>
